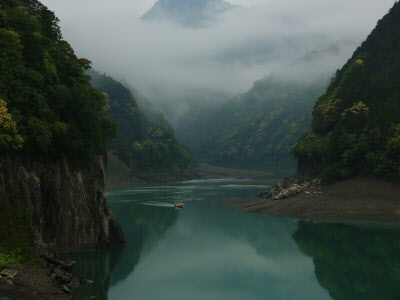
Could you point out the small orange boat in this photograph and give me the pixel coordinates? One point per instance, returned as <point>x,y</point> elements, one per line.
<point>178,205</point>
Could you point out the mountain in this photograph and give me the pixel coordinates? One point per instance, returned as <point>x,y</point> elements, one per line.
<point>259,128</point>
<point>356,123</point>
<point>145,143</point>
<point>53,131</point>
<point>187,13</point>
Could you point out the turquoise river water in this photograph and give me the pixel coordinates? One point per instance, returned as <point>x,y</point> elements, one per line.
<point>212,250</point>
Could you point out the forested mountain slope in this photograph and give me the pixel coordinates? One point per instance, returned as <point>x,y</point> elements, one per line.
<point>259,128</point>
<point>356,123</point>
<point>44,87</point>
<point>53,130</point>
<point>145,142</point>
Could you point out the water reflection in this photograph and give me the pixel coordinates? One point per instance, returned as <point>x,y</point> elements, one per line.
<point>353,262</point>
<point>100,267</point>
<point>213,251</point>
<point>216,252</point>
<point>143,227</point>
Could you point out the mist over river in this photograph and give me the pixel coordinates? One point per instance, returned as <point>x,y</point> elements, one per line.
<point>213,250</point>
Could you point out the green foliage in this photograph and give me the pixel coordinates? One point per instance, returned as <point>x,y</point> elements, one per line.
<point>357,120</point>
<point>48,95</point>
<point>353,262</point>
<point>11,258</point>
<point>9,138</point>
<point>143,143</point>
<point>257,129</point>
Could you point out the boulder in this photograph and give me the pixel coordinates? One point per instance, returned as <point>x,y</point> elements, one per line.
<point>8,273</point>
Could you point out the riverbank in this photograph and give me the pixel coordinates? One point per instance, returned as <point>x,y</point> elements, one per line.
<point>359,198</point>
<point>208,171</point>
<point>52,279</point>
<point>29,283</point>
<point>119,174</point>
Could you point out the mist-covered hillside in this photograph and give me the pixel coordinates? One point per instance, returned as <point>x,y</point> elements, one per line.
<point>190,13</point>
<point>144,143</point>
<point>53,130</point>
<point>259,128</point>
<point>356,123</point>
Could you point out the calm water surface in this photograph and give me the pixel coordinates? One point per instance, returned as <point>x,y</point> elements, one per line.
<point>211,250</point>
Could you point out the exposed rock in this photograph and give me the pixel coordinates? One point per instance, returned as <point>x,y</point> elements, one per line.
<point>290,187</point>
<point>66,265</point>
<point>66,289</point>
<point>10,274</point>
<point>64,201</point>
<point>9,281</point>
<point>32,283</point>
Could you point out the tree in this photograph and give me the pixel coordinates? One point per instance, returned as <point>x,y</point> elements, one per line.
<point>9,138</point>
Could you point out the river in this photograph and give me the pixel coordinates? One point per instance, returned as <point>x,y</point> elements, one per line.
<point>212,250</point>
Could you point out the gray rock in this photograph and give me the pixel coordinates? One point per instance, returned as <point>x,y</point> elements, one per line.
<point>65,289</point>
<point>67,264</point>
<point>62,197</point>
<point>9,273</point>
<point>9,281</point>
<point>74,284</point>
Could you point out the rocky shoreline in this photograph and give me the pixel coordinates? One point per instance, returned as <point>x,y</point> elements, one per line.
<point>292,186</point>
<point>352,199</point>
<point>54,279</point>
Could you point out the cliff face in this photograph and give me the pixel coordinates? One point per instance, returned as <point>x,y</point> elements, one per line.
<point>64,202</point>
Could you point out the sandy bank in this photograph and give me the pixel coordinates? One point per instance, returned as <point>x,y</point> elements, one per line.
<point>363,199</point>
<point>30,283</point>
<point>208,171</point>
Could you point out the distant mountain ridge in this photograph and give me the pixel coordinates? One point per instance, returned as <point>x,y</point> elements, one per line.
<point>259,128</point>
<point>145,142</point>
<point>187,13</point>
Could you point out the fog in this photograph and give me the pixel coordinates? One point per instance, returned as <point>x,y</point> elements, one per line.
<point>169,62</point>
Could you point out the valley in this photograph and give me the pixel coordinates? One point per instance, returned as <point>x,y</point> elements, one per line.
<point>199,149</point>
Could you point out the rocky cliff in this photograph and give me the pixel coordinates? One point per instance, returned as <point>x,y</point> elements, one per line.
<point>65,202</point>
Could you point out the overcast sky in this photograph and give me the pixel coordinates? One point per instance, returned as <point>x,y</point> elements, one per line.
<point>166,61</point>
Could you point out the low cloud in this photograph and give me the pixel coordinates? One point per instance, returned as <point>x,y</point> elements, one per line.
<point>168,62</point>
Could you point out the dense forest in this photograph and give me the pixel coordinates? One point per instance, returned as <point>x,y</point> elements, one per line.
<point>259,128</point>
<point>48,110</point>
<point>356,123</point>
<point>47,105</point>
<point>144,141</point>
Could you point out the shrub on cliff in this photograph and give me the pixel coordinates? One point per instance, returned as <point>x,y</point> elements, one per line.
<point>9,138</point>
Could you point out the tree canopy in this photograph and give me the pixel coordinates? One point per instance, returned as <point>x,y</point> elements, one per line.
<point>49,98</point>
<point>356,123</point>
<point>143,141</point>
